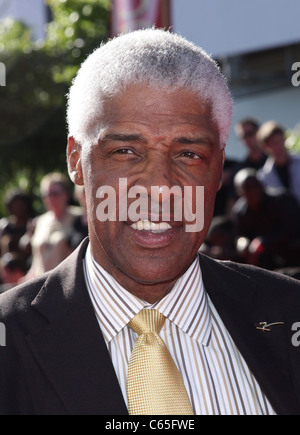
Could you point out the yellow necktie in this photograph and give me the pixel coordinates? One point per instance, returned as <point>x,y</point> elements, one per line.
<point>154,384</point>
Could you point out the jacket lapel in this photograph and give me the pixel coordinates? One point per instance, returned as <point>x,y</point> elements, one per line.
<point>236,297</point>
<point>70,347</point>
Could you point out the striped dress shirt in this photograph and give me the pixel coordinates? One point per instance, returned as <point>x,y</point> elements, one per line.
<point>215,375</point>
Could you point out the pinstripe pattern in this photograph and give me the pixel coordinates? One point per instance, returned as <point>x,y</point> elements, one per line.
<point>215,375</point>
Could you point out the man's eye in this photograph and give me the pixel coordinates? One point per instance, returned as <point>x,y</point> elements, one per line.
<point>123,151</point>
<point>190,155</point>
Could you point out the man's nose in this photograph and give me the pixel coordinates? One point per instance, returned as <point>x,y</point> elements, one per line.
<point>157,172</point>
<point>158,177</point>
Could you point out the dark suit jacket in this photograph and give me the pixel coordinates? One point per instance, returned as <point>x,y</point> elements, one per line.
<point>56,362</point>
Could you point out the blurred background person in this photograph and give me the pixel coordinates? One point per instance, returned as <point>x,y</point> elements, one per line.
<point>14,225</point>
<point>220,242</point>
<point>282,169</point>
<point>225,195</point>
<point>79,230</point>
<point>49,240</point>
<point>246,130</point>
<point>267,224</point>
<point>13,268</point>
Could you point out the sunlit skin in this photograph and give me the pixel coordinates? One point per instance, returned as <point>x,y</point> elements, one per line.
<point>153,138</point>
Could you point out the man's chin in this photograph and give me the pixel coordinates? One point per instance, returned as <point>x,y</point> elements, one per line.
<point>155,271</point>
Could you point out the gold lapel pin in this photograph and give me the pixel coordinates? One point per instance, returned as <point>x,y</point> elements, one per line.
<point>266,327</point>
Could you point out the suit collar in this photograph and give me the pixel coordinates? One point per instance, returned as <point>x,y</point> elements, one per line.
<point>69,346</point>
<point>237,296</point>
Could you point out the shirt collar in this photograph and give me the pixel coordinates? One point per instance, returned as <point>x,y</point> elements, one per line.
<point>186,305</point>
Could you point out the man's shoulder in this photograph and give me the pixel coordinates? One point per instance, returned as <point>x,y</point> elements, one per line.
<point>268,285</point>
<point>261,273</point>
<point>17,301</point>
<point>295,161</point>
<point>53,287</point>
<point>296,158</point>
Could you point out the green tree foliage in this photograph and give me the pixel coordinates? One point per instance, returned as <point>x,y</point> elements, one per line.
<point>77,28</point>
<point>293,139</point>
<point>38,74</point>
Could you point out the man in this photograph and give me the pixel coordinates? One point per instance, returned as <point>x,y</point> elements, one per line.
<point>282,169</point>
<point>147,110</point>
<point>246,130</point>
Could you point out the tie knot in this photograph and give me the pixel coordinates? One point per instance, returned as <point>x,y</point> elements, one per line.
<point>147,321</point>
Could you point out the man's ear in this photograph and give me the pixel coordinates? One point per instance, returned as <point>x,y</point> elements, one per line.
<point>74,161</point>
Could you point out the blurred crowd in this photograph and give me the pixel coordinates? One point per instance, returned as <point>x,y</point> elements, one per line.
<point>257,213</point>
<point>256,219</point>
<point>31,245</point>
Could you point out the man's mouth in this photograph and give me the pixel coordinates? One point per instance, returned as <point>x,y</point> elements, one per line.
<point>153,227</point>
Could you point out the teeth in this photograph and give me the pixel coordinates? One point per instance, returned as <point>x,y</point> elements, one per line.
<point>146,225</point>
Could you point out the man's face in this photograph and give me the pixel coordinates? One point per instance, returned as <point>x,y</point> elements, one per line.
<point>275,144</point>
<point>150,137</point>
<point>248,136</point>
<point>55,198</point>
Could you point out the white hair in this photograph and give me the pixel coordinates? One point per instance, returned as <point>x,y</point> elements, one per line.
<point>152,57</point>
